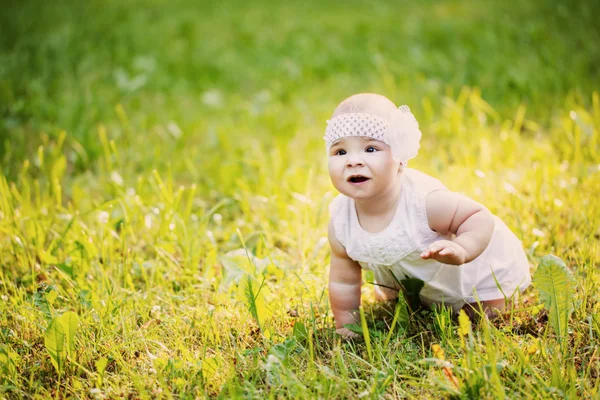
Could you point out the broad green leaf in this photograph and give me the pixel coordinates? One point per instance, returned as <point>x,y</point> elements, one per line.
<point>51,296</point>
<point>100,368</point>
<point>402,313</point>
<point>354,328</point>
<point>261,306</point>
<point>300,332</point>
<point>411,288</point>
<point>47,258</point>
<point>283,350</point>
<point>70,323</point>
<point>251,298</point>
<point>68,269</point>
<point>101,365</point>
<point>210,365</point>
<point>54,340</point>
<point>555,285</point>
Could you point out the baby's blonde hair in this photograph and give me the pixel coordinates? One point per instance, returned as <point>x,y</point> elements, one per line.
<point>369,103</point>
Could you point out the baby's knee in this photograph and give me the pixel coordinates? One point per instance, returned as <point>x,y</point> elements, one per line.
<point>384,294</point>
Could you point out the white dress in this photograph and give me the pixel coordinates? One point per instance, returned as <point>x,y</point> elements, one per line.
<point>394,253</point>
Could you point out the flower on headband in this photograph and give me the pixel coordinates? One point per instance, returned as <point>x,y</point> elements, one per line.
<point>403,134</point>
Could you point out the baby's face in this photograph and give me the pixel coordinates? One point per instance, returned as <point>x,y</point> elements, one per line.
<point>361,167</point>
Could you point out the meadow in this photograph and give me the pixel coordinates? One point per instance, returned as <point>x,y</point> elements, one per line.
<point>164,195</point>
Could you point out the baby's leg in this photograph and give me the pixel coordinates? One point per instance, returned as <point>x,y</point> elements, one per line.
<point>384,294</point>
<point>489,308</point>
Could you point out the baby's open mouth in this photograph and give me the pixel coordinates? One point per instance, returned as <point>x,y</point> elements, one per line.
<point>357,179</point>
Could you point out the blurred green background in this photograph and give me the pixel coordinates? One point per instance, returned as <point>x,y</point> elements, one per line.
<point>276,68</point>
<point>161,157</point>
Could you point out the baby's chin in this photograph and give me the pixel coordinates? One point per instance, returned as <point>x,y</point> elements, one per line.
<point>357,194</point>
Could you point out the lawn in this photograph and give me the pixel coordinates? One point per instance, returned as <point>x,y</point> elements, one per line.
<point>164,194</point>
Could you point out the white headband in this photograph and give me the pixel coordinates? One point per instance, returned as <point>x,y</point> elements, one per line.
<point>401,132</point>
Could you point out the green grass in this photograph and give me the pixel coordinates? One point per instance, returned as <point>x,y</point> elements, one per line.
<point>164,178</point>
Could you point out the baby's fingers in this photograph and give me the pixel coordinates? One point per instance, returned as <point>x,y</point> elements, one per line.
<point>447,251</point>
<point>433,248</point>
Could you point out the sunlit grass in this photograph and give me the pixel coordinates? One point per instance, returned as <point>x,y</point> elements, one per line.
<point>179,207</point>
<point>158,272</point>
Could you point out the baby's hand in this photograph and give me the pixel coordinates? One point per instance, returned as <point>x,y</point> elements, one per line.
<point>445,251</point>
<point>346,333</point>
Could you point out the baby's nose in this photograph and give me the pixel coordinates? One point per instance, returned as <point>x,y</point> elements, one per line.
<point>354,161</point>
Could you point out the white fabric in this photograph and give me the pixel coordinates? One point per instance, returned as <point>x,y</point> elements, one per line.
<point>401,132</point>
<point>396,250</point>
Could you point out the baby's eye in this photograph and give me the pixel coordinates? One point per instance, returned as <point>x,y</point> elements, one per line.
<point>340,152</point>
<point>371,149</point>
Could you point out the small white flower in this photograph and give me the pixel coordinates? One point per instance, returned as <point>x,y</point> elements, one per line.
<point>97,393</point>
<point>509,188</point>
<point>538,233</point>
<point>116,178</point>
<point>301,197</point>
<point>212,98</point>
<point>103,217</point>
<point>211,237</point>
<point>573,115</point>
<point>558,203</point>
<point>217,218</point>
<point>174,130</point>
<point>480,174</point>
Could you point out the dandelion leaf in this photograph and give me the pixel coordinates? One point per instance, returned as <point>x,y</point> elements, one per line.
<point>70,323</point>
<point>54,340</point>
<point>555,285</point>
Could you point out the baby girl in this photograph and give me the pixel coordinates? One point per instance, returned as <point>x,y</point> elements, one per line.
<point>401,223</point>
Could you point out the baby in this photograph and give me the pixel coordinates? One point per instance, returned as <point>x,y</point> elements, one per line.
<point>401,223</point>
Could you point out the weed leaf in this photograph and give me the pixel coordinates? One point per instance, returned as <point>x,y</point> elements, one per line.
<point>300,332</point>
<point>69,322</point>
<point>54,340</point>
<point>555,285</point>
<point>251,302</point>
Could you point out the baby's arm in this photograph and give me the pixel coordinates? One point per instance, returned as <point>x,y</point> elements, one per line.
<point>470,221</point>
<point>345,279</point>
